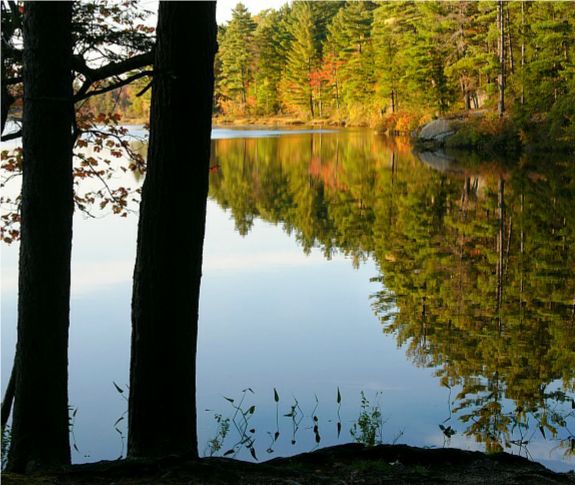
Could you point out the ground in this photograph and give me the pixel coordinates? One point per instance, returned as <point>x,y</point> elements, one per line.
<point>344,464</point>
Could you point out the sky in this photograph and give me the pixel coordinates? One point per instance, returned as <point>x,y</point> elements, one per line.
<point>224,7</point>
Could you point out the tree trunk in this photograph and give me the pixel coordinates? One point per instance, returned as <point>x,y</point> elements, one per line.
<point>510,42</point>
<point>40,435</point>
<point>501,80</point>
<point>162,402</point>
<point>8,397</point>
<point>500,244</point>
<point>522,52</point>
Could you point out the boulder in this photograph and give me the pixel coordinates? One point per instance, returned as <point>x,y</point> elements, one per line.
<point>436,131</point>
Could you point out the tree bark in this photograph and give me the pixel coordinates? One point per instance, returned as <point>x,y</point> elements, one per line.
<point>40,435</point>
<point>165,303</point>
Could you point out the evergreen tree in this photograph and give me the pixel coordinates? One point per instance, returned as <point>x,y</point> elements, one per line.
<point>236,57</point>
<point>302,59</point>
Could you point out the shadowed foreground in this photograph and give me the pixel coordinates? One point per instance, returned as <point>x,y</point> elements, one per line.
<point>344,464</point>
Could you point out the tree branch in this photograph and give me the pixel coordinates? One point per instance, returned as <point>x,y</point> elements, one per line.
<point>112,68</point>
<point>12,136</point>
<point>84,95</point>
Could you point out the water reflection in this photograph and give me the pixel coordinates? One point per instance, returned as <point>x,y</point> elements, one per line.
<point>476,262</point>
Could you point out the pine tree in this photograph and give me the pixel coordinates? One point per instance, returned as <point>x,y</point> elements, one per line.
<point>236,58</point>
<point>302,59</point>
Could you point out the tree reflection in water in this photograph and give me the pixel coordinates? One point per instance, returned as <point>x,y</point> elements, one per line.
<point>476,261</point>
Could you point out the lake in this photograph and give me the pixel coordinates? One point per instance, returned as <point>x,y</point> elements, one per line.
<point>350,287</point>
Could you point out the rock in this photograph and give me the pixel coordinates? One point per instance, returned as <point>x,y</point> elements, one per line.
<point>436,130</point>
<point>437,160</point>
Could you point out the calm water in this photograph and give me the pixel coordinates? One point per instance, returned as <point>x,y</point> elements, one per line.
<point>338,260</point>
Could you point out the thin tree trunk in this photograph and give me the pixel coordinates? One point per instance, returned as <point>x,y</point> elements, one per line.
<point>522,52</point>
<point>501,80</point>
<point>8,397</point>
<point>165,304</point>
<point>40,435</point>
<point>510,42</point>
<point>500,244</point>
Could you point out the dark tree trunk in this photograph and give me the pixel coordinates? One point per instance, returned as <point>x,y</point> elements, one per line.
<point>40,435</point>
<point>162,404</point>
<point>8,397</point>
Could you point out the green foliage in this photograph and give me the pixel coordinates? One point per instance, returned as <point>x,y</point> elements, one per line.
<point>361,60</point>
<point>235,54</point>
<point>223,428</point>
<point>368,429</point>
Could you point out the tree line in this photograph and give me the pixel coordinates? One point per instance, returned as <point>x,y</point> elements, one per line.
<point>359,61</point>
<point>57,55</point>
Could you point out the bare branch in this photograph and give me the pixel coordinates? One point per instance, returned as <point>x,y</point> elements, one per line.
<point>124,82</point>
<point>12,136</point>
<point>113,68</point>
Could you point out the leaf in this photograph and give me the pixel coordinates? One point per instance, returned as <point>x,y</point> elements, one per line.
<point>229,452</point>
<point>276,435</point>
<point>276,395</point>
<point>121,418</point>
<point>252,430</point>
<point>229,399</point>
<point>338,429</point>
<point>253,452</point>
<point>542,431</point>
<point>317,438</point>
<point>251,410</point>
<point>118,388</point>
<point>338,396</point>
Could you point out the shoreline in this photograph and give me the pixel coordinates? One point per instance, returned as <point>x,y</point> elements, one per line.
<point>349,463</point>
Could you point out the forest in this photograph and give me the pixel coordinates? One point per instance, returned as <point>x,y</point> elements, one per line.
<point>397,65</point>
